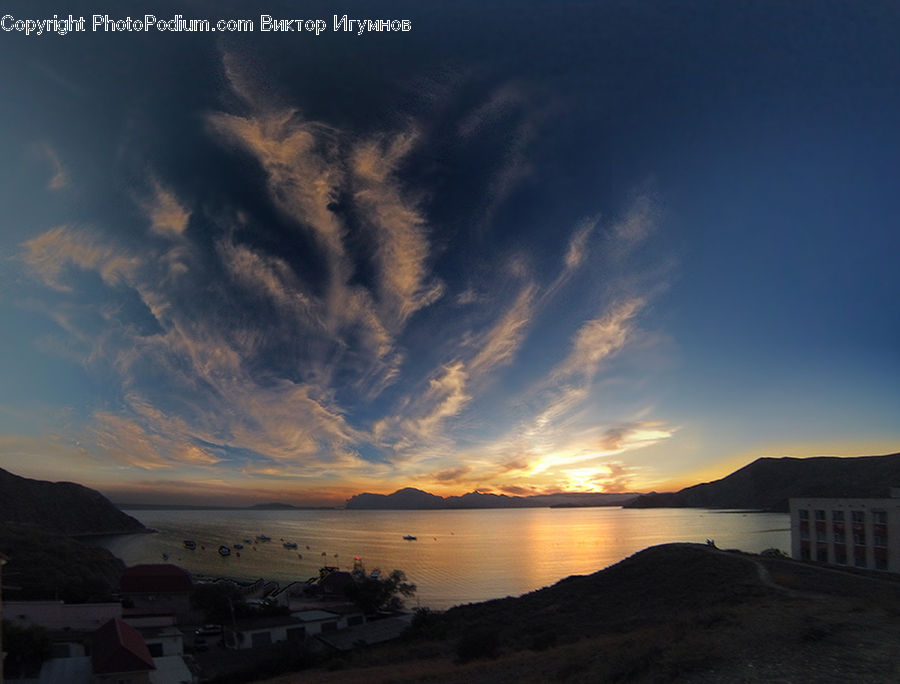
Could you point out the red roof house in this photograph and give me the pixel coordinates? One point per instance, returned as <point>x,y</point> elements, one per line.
<point>160,578</point>
<point>118,648</point>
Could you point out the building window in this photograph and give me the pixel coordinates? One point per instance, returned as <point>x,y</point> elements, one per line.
<point>258,639</point>
<point>859,538</point>
<point>820,515</point>
<point>803,513</point>
<point>837,516</point>
<point>838,536</point>
<point>840,555</point>
<point>881,564</point>
<point>859,516</point>
<point>881,540</point>
<point>820,535</point>
<point>804,533</point>
<point>880,517</point>
<point>296,633</point>
<point>859,559</point>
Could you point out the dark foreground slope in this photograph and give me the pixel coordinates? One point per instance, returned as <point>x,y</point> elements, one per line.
<point>768,483</point>
<point>677,612</point>
<point>61,507</point>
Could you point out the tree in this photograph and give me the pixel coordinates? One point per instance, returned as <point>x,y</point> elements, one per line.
<point>375,595</point>
<point>26,648</point>
<point>219,601</point>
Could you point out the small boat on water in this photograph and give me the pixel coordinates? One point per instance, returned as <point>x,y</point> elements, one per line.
<point>238,545</point>
<point>190,544</point>
<point>409,537</point>
<point>290,545</point>
<point>263,538</point>
<point>224,550</point>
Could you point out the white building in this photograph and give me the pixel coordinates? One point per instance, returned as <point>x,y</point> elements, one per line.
<point>297,626</point>
<point>862,533</point>
<point>56,615</point>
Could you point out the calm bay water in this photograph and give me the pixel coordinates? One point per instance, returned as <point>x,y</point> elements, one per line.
<point>458,557</point>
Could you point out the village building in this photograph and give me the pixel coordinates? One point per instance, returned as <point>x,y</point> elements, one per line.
<point>119,653</point>
<point>158,588</point>
<point>56,615</point>
<point>84,637</point>
<point>860,533</point>
<point>298,626</point>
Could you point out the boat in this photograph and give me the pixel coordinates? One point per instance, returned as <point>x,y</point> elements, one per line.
<point>409,537</point>
<point>238,545</point>
<point>290,545</point>
<point>263,537</point>
<point>190,544</point>
<point>224,550</point>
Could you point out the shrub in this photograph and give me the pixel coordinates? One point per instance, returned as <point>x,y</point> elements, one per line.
<point>478,644</point>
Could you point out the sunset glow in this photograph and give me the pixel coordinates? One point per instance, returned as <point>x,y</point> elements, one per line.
<point>244,267</point>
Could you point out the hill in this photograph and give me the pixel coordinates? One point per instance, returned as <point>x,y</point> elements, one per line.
<point>768,483</point>
<point>676,612</point>
<point>62,508</point>
<point>43,565</point>
<point>415,499</point>
<point>402,499</point>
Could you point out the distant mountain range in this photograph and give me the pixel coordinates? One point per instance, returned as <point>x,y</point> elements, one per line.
<point>415,499</point>
<point>62,508</point>
<point>768,483</point>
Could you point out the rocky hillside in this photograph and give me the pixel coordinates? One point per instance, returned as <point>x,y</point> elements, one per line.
<point>43,565</point>
<point>768,483</point>
<point>61,507</point>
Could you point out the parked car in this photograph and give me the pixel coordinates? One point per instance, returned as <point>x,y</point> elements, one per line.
<point>208,630</point>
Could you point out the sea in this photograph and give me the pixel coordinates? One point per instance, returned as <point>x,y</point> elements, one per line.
<point>457,556</point>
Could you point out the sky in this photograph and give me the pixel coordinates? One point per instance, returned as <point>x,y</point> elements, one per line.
<point>523,247</point>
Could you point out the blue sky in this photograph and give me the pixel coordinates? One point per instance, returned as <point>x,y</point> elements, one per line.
<point>524,247</point>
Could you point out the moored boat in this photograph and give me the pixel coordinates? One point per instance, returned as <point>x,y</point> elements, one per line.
<point>290,545</point>
<point>409,537</point>
<point>263,538</point>
<point>224,550</point>
<point>190,544</point>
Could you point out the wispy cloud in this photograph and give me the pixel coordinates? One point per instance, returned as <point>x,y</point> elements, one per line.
<point>306,334</point>
<point>500,343</point>
<point>450,388</point>
<point>60,178</point>
<point>597,340</point>
<point>52,252</point>
<point>402,245</point>
<point>168,217</point>
<point>511,108</point>
<point>311,169</point>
